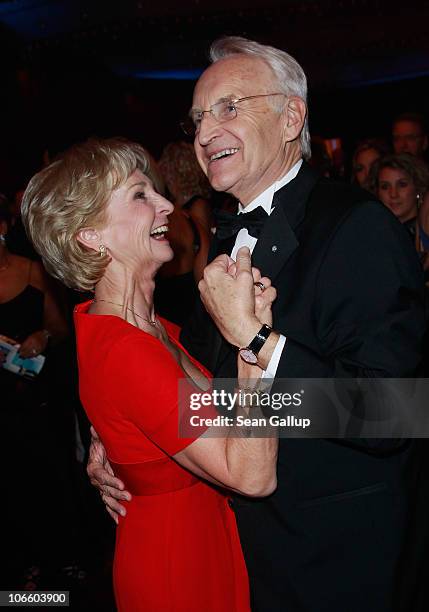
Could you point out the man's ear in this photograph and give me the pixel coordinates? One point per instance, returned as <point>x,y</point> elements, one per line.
<point>295,112</point>
<point>90,238</point>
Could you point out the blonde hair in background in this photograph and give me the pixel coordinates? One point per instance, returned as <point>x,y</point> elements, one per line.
<point>181,171</point>
<point>71,194</point>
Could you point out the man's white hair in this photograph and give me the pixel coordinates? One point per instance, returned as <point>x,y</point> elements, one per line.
<point>289,74</point>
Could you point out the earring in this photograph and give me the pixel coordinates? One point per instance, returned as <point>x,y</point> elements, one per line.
<point>2,238</point>
<point>102,250</point>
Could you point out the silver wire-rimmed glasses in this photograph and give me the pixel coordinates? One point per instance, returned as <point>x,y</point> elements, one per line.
<point>222,111</point>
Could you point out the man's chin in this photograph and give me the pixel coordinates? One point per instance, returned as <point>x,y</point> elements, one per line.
<point>220,184</point>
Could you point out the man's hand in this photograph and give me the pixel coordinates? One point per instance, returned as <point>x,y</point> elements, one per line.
<point>264,299</point>
<point>229,299</point>
<point>102,477</point>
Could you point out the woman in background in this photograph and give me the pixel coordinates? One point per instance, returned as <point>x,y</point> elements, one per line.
<point>401,182</point>
<point>31,318</point>
<point>189,231</point>
<point>365,154</point>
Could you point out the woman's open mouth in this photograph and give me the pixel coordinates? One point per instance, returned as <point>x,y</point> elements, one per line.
<point>159,232</point>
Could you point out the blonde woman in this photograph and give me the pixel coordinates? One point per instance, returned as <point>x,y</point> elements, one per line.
<point>99,225</point>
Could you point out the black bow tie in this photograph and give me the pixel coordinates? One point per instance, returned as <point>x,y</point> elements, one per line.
<point>228,224</point>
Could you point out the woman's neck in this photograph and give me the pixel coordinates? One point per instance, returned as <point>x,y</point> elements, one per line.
<point>128,295</point>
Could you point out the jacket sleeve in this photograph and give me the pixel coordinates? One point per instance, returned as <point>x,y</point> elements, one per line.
<point>368,310</point>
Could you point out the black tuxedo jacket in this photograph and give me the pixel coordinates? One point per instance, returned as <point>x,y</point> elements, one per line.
<point>350,301</point>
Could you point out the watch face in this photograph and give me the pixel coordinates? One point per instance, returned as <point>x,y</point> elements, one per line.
<point>248,356</point>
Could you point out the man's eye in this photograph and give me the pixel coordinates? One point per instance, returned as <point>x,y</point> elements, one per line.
<point>140,195</point>
<point>227,111</point>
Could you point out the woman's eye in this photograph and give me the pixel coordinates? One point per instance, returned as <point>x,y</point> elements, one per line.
<point>403,184</point>
<point>383,186</point>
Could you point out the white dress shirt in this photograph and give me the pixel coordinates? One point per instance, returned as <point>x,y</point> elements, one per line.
<point>265,199</point>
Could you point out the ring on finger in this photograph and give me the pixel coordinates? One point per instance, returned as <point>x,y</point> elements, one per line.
<point>260,285</point>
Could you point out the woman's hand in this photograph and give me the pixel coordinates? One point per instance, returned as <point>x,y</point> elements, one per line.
<point>102,477</point>
<point>230,298</point>
<point>34,344</point>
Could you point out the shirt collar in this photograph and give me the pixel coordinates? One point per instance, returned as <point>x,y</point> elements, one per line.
<point>265,199</point>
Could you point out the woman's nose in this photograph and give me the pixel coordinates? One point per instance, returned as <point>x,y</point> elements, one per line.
<point>164,206</point>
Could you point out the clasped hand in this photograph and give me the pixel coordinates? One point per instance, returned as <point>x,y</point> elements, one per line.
<point>238,307</point>
<point>235,303</point>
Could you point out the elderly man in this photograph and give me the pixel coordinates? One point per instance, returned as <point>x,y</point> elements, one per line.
<point>409,134</point>
<point>349,304</point>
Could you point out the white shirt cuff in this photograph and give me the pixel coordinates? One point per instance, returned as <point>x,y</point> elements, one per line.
<point>273,364</point>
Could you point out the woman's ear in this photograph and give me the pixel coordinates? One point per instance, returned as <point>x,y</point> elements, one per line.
<point>295,112</point>
<point>90,238</point>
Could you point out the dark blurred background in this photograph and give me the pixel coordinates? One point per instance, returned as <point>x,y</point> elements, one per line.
<point>72,68</point>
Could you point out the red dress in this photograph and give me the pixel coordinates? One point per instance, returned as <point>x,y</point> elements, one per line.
<point>177,549</point>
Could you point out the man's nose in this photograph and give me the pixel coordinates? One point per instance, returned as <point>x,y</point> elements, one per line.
<point>209,128</point>
<point>402,145</point>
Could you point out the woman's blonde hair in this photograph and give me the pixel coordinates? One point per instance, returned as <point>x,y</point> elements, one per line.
<point>70,195</point>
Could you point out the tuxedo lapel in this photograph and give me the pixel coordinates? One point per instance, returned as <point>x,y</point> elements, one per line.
<point>276,242</point>
<point>278,239</point>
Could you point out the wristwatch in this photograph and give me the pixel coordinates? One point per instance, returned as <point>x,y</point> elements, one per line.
<point>249,354</point>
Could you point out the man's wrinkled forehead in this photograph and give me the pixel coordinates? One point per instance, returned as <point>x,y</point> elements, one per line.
<point>231,77</point>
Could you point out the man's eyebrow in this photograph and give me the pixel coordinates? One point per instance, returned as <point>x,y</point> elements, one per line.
<point>226,98</point>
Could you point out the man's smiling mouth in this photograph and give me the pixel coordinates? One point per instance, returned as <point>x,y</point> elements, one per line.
<point>223,153</point>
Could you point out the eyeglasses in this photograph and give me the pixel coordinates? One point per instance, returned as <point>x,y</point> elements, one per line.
<point>221,111</point>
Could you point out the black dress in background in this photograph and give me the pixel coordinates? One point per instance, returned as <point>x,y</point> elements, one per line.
<point>37,508</point>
